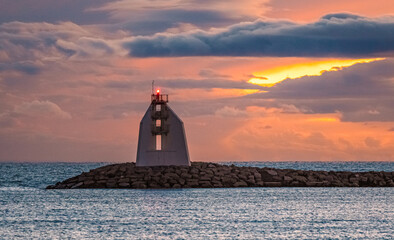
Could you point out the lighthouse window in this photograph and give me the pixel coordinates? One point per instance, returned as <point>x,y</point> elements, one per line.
<point>158,123</point>
<point>158,108</point>
<point>158,142</point>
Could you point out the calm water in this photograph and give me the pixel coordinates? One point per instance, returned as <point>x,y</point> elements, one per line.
<point>28,211</point>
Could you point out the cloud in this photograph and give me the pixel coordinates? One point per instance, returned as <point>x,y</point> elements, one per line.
<point>363,92</point>
<point>143,17</point>
<point>21,42</point>
<point>52,11</point>
<point>153,21</point>
<point>333,35</point>
<point>307,10</point>
<point>227,111</point>
<point>27,67</point>
<point>372,142</point>
<point>41,109</point>
<point>219,81</point>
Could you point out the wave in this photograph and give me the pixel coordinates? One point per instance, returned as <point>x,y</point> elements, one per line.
<point>18,188</point>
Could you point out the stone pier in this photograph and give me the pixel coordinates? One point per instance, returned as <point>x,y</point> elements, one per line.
<point>213,175</point>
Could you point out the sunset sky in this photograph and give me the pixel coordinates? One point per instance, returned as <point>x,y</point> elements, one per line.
<point>268,80</point>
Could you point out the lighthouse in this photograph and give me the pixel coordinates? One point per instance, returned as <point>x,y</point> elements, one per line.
<point>162,139</point>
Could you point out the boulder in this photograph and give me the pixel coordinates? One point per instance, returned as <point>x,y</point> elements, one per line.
<point>205,184</point>
<point>206,175</point>
<point>287,179</point>
<point>185,176</point>
<point>240,184</point>
<point>77,185</point>
<point>301,179</point>
<point>267,175</point>
<point>124,184</point>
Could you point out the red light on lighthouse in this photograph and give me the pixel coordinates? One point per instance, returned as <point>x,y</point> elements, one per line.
<point>158,91</point>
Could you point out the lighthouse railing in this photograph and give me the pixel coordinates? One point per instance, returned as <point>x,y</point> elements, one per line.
<point>159,98</point>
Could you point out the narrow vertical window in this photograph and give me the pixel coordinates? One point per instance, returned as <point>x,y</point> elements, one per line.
<point>158,142</point>
<point>158,107</point>
<point>158,123</point>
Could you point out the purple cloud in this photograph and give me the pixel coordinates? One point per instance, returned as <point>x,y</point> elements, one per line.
<point>333,35</point>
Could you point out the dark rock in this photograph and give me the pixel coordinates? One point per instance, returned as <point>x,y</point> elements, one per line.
<point>89,183</point>
<point>267,175</point>
<point>276,179</point>
<point>186,176</point>
<point>205,184</point>
<point>124,184</point>
<point>154,185</point>
<point>240,184</point>
<point>207,175</point>
<point>171,175</point>
<point>287,179</point>
<point>206,178</point>
<point>140,184</point>
<point>111,184</point>
<point>301,179</point>
<point>295,184</point>
<point>77,185</point>
<point>191,184</point>
<point>181,181</point>
<point>124,180</point>
<point>194,171</point>
<point>257,175</point>
<point>260,184</point>
<point>172,181</point>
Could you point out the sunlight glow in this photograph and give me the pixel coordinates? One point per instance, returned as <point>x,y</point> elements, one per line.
<point>270,77</point>
<point>323,119</point>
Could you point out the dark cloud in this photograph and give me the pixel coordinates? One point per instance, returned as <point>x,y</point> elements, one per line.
<point>341,16</point>
<point>152,21</point>
<point>140,17</point>
<point>52,11</point>
<point>25,67</point>
<point>363,92</point>
<point>333,35</point>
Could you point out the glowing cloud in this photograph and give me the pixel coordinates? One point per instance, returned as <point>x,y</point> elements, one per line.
<point>323,119</point>
<point>272,76</point>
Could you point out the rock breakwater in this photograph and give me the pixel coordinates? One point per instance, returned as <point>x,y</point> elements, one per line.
<point>213,175</point>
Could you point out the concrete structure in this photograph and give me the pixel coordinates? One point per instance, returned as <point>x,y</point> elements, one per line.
<point>162,139</point>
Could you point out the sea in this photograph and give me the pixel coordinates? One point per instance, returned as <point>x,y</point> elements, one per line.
<point>28,211</point>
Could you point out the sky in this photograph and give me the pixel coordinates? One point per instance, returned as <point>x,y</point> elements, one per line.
<point>261,80</point>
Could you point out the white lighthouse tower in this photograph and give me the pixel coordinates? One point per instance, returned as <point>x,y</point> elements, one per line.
<point>162,139</point>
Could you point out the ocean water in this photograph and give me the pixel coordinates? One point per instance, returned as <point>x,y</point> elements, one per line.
<point>28,211</point>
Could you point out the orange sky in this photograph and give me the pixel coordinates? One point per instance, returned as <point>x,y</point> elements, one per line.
<point>71,91</point>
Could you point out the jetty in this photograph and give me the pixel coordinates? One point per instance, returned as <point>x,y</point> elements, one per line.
<point>214,175</point>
